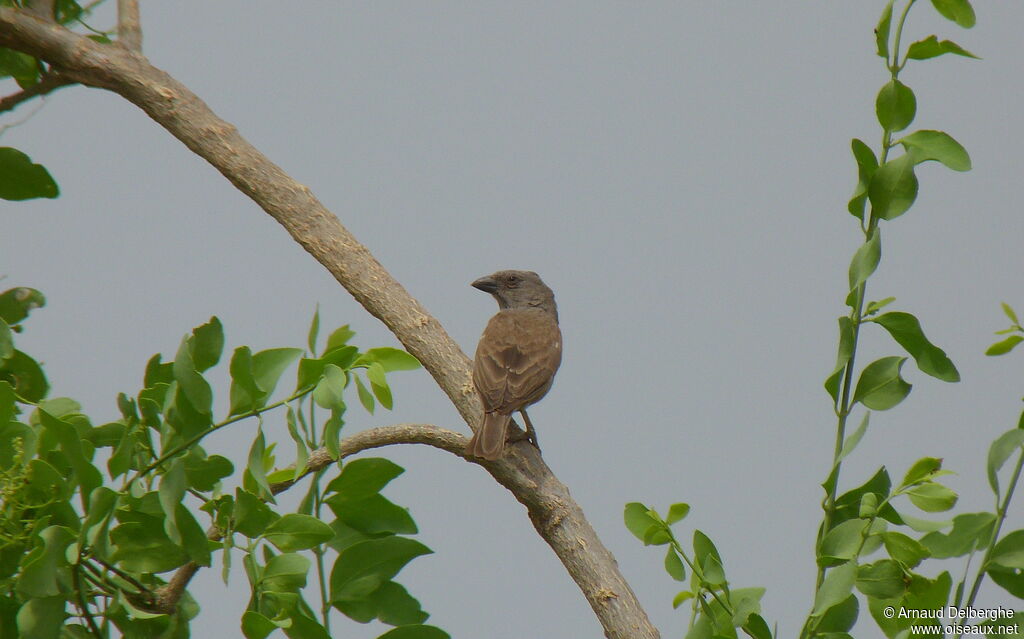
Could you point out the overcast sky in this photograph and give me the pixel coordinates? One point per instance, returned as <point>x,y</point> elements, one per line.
<point>677,172</point>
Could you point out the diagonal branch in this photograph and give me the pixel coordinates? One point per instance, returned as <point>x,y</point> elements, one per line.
<point>49,83</point>
<point>555,515</point>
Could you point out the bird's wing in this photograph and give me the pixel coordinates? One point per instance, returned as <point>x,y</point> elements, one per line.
<point>516,359</point>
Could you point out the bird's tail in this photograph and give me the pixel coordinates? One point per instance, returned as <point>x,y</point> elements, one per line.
<point>489,440</point>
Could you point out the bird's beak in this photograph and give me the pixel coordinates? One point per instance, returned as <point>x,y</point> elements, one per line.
<point>485,284</point>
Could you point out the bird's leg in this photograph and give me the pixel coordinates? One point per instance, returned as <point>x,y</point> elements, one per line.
<point>531,434</point>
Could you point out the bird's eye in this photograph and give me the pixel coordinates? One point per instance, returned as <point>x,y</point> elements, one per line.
<point>512,280</point>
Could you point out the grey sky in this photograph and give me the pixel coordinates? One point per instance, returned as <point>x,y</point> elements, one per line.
<point>676,171</point>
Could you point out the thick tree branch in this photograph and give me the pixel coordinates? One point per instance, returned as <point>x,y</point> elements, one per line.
<point>554,513</point>
<point>49,83</point>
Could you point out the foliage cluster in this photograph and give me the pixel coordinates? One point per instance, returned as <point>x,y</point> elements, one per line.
<point>93,517</point>
<point>864,521</point>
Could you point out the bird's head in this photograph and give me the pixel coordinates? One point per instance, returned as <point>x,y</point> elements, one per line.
<point>518,289</point>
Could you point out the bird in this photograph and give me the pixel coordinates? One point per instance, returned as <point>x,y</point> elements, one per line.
<point>517,356</point>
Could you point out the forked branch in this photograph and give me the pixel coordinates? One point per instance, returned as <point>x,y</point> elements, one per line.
<point>554,513</point>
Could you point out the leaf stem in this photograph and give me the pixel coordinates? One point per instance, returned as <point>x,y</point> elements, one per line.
<point>1000,518</point>
<point>192,441</point>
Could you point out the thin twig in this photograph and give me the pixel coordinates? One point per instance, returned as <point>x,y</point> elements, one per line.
<point>48,83</point>
<point>167,596</point>
<point>129,28</point>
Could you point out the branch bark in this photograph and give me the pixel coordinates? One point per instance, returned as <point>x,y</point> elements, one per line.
<point>129,27</point>
<point>555,515</point>
<point>49,83</point>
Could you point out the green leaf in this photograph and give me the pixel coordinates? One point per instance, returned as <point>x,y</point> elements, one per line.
<point>836,588</point>
<point>923,469</point>
<point>16,303</point>
<point>41,618</point>
<point>269,365</point>
<point>874,307</point>
<point>255,466</point>
<point>931,497</point>
<point>297,532</point>
<point>882,31</point>
<point>680,598</point>
<point>842,542</point>
<point>415,632</point>
<point>895,106</point>
<point>143,546</point>
<point>314,331</point>
<point>880,386</point>
<point>171,492</point>
<point>310,370</point>
<point>676,513</point>
<point>379,385</point>
<point>656,535</point>
<point>391,603</point>
<point>931,47</point>
<point>204,473</point>
<point>251,515</point>
<point>840,617</point>
<point>365,398</point>
<point>339,337</point>
<point>1008,310</point>
<point>256,626</point>
<point>907,332</point>
<point>893,188</point>
<point>867,164</point>
<point>928,145</point>
<point>207,343</point>
<point>285,573</point>
<point>41,573</point>
<point>25,375</point>
<point>1000,450</point>
<point>714,572</point>
<point>1005,346</point>
<point>364,477</point>
<point>329,390</point>
<point>1009,551</point>
<point>196,389</point>
<point>1010,580</point>
<point>396,606</point>
<point>363,567</point>
<point>301,451</point>
<point>958,11</point>
<point>390,359</point>
<point>757,628</point>
<point>193,537</point>
<point>845,351</point>
<point>70,441</point>
<point>970,531</point>
<point>638,519</point>
<point>674,565</point>
<point>904,549</point>
<point>865,260</point>
<point>868,506</point>
<point>704,548</point>
<point>6,341</point>
<point>332,430</point>
<point>881,580</point>
<point>254,377</point>
<point>848,504</point>
<point>373,514</point>
<point>21,179</point>
<point>851,442</point>
<point>20,66</point>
